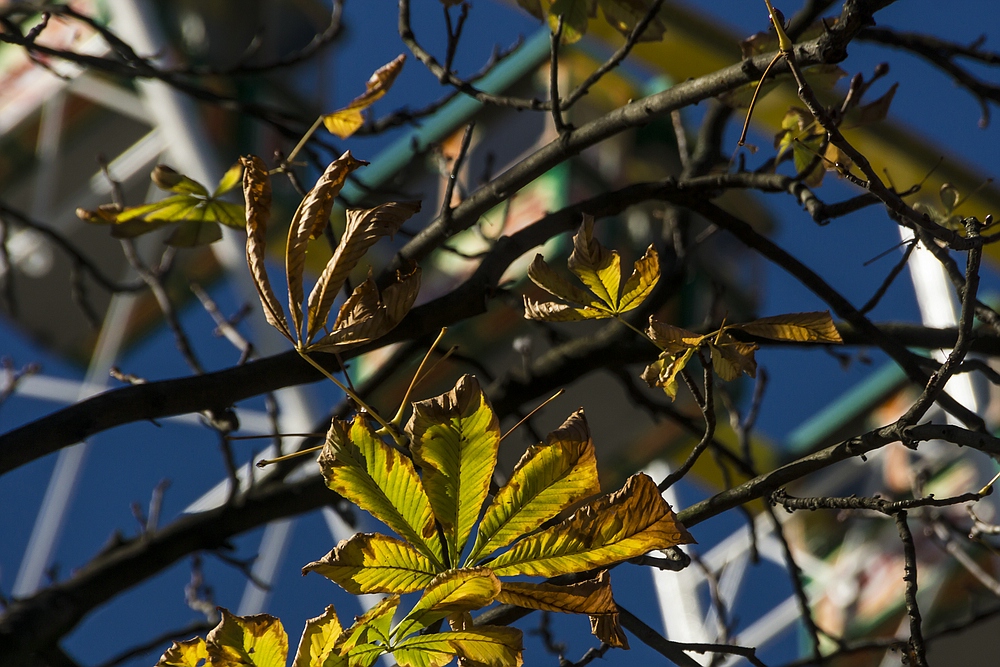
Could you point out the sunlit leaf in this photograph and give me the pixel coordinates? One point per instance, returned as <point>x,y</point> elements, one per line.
<point>672,340</point>
<point>367,314</point>
<point>451,592</point>
<point>191,205</point>
<point>364,228</point>
<point>616,527</point>
<point>488,646</point>
<point>550,311</point>
<point>319,638</point>
<point>644,277</point>
<point>549,478</point>
<point>190,653</point>
<point>311,217</point>
<point>586,597</point>
<point>247,641</point>
<point>358,465</point>
<point>664,371</point>
<point>596,266</point>
<point>454,439</point>
<point>372,626</point>
<point>813,327</point>
<point>732,358</point>
<point>257,195</point>
<point>364,655</point>
<point>552,282</point>
<point>373,563</point>
<point>346,121</point>
<point>232,178</point>
<point>608,628</point>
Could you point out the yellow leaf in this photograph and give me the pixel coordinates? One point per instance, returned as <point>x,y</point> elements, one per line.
<point>642,281</point>
<point>257,195</point>
<point>548,479</point>
<point>731,358</point>
<point>247,641</point>
<point>451,592</point>
<point>364,655</point>
<point>358,465</point>
<point>311,217</point>
<point>814,327</point>
<point>454,439</point>
<point>316,648</point>
<point>364,228</point>
<point>664,371</point>
<point>489,646</point>
<point>373,563</point>
<point>616,527</point>
<point>672,340</point>
<point>190,653</point>
<point>542,275</point>
<point>346,121</point>
<point>595,265</point>
<point>586,597</point>
<point>551,311</point>
<point>372,626</point>
<point>367,315</point>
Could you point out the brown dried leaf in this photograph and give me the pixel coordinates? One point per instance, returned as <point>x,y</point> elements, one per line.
<point>257,194</point>
<point>364,228</point>
<point>551,311</point>
<point>730,357</point>
<point>311,217</point>
<point>370,315</point>
<point>664,371</point>
<point>672,340</point>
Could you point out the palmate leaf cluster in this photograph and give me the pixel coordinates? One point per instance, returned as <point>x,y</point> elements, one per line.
<point>197,212</point>
<point>368,313</point>
<point>432,495</point>
<point>599,269</point>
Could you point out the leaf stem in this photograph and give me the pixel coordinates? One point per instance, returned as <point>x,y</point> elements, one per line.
<point>530,414</point>
<point>638,331</point>
<point>416,376</point>
<point>753,100</point>
<point>389,428</point>
<point>263,463</point>
<point>305,138</point>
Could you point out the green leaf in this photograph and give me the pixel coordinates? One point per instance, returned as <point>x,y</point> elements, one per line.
<point>373,563</point>
<point>372,626</point>
<point>814,327</point>
<point>364,655</point>
<point>230,179</point>
<point>489,646</point>
<point>576,14</point>
<point>170,180</point>
<point>319,638</point>
<point>454,439</point>
<point>358,465</point>
<point>548,479</point>
<point>247,641</point>
<point>614,528</point>
<point>451,592</point>
<point>190,653</point>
